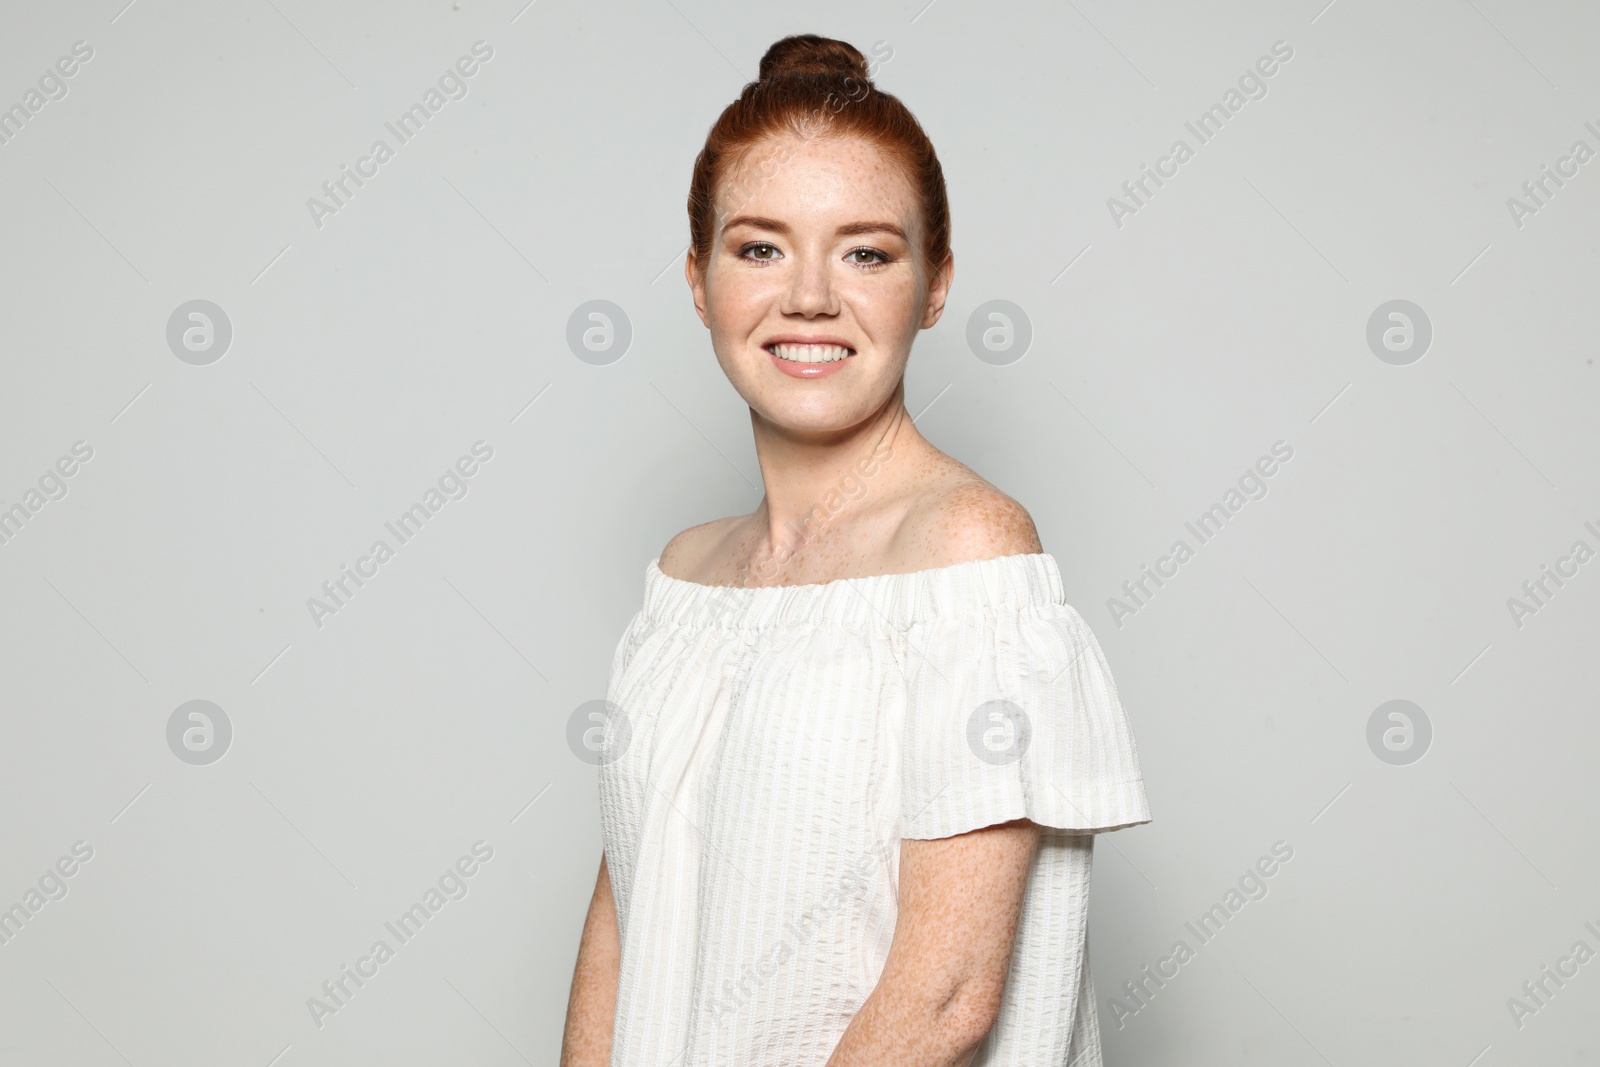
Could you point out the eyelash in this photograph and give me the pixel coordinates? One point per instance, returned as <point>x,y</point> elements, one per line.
<point>884,261</point>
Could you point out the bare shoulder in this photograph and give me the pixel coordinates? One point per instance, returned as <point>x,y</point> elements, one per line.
<point>688,550</point>
<point>966,519</point>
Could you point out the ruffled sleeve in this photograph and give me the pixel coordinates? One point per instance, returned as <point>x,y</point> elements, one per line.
<point>1012,712</point>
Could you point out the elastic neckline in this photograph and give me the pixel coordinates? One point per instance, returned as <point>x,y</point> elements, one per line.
<point>878,602</point>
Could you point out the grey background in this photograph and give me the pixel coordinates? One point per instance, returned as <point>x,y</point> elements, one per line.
<point>1167,355</point>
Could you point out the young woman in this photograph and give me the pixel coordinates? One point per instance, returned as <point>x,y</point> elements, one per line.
<point>859,741</point>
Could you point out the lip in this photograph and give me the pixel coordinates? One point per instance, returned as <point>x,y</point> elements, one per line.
<point>808,370</point>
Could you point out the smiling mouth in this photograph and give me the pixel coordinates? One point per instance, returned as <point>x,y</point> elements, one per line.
<point>810,353</point>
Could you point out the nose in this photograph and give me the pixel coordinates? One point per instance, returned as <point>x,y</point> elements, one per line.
<point>811,290</point>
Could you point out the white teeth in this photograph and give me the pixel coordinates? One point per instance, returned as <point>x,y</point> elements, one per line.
<point>809,353</point>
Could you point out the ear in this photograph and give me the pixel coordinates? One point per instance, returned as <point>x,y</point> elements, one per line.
<point>697,286</point>
<point>938,290</point>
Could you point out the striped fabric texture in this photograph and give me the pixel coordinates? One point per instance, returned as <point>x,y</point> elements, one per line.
<point>768,748</point>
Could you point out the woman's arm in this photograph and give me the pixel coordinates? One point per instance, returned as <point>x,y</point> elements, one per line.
<point>939,993</point>
<point>592,1005</point>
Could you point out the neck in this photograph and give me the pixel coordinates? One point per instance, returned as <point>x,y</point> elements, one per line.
<point>815,484</point>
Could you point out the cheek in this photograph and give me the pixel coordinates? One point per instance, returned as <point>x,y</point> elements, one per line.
<point>888,303</point>
<point>741,279</point>
<point>731,296</point>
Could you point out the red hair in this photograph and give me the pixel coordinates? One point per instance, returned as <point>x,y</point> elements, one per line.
<point>814,86</point>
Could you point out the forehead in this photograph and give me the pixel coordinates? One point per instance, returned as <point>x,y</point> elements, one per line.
<point>827,177</point>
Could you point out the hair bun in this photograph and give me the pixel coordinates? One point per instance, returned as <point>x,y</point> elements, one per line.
<point>809,54</point>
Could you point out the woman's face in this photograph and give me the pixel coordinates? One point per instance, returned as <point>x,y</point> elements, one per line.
<point>813,254</point>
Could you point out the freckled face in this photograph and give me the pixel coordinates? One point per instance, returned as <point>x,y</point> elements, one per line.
<point>814,242</point>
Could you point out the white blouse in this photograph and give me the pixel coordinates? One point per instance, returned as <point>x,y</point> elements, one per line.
<point>766,750</point>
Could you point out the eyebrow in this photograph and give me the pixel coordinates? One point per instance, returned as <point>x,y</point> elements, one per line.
<point>852,229</point>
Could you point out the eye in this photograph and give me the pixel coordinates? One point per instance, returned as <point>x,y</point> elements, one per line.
<point>883,257</point>
<point>744,253</point>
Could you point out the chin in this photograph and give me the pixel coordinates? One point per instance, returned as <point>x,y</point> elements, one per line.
<point>827,414</point>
